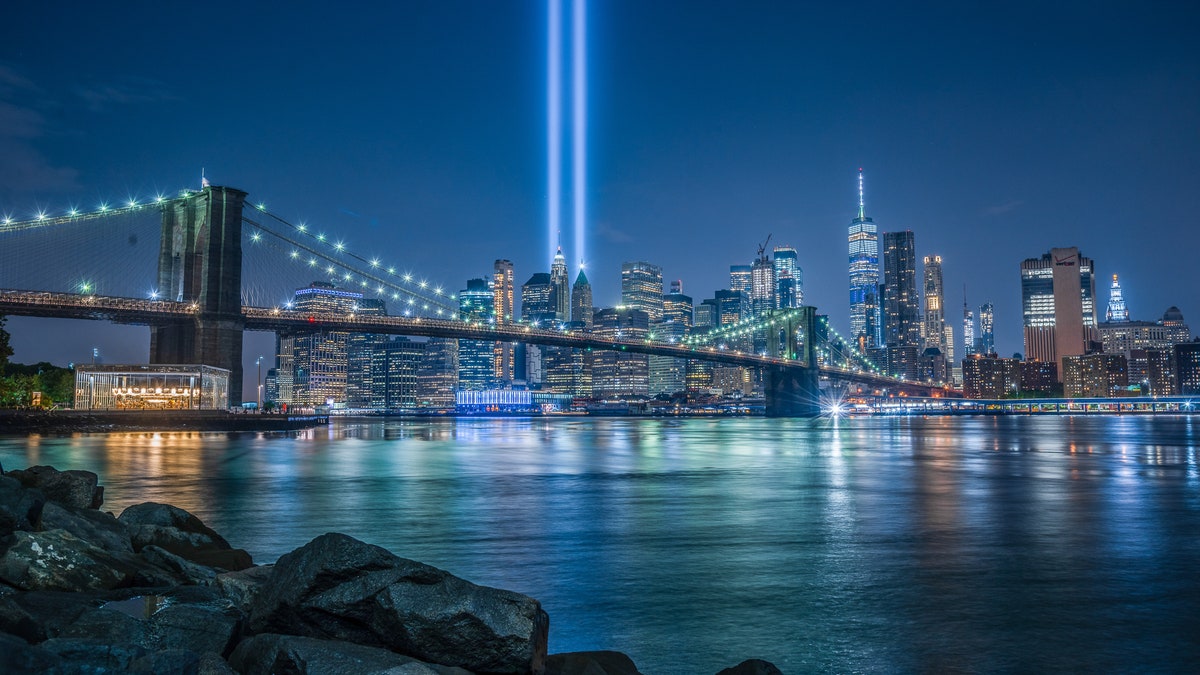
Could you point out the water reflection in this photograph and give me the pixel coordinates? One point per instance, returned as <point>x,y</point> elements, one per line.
<point>998,543</point>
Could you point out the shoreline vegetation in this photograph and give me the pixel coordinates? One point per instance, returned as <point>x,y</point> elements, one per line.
<point>155,590</point>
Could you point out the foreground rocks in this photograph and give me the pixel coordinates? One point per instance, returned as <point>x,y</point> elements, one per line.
<point>155,590</point>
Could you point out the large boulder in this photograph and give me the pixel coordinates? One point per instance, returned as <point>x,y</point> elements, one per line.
<point>271,653</point>
<point>336,587</point>
<point>20,507</point>
<point>19,657</point>
<point>197,628</point>
<point>243,586</point>
<point>52,611</point>
<point>179,532</point>
<point>752,667</point>
<point>78,489</point>
<point>83,655</point>
<point>590,663</point>
<point>96,527</point>
<point>57,560</point>
<point>182,570</point>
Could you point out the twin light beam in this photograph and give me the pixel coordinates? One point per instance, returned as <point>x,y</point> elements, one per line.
<point>554,123</point>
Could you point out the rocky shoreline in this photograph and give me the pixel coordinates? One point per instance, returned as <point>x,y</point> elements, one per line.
<point>155,590</point>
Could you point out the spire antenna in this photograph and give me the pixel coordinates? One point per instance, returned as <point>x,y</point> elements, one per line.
<point>862,212</point>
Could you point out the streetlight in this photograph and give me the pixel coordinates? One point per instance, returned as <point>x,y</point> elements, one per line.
<point>258,362</point>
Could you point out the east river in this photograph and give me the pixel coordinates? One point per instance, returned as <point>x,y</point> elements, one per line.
<point>874,545</point>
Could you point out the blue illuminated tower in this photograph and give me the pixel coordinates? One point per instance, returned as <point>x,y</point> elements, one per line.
<point>864,273</point>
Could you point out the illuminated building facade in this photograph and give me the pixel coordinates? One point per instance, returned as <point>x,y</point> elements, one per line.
<point>789,278</point>
<point>1094,375</point>
<point>1058,305</point>
<point>617,374</point>
<point>320,358</point>
<point>359,347</point>
<point>990,377</point>
<point>987,329</point>
<point>864,275</point>
<point>902,312</point>
<point>151,387</point>
<point>1117,313</point>
<point>741,278</point>
<point>560,288</point>
<point>642,288</point>
<point>762,285</point>
<point>396,369</point>
<point>936,335</point>
<point>475,366</point>
<point>1186,357</point>
<point>581,301</point>
<point>437,377</point>
<point>504,310</point>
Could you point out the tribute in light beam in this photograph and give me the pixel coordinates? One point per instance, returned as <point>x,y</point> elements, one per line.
<point>553,123</point>
<point>579,125</point>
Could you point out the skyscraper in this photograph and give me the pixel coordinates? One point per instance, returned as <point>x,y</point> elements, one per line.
<point>581,301</point>
<point>968,327</point>
<point>617,374</point>
<point>642,288</point>
<point>319,357</point>
<point>1058,294</point>
<point>503,292</point>
<point>1116,304</point>
<point>864,272</point>
<point>902,313</point>
<point>475,368</point>
<point>537,309</point>
<point>762,283</point>
<point>935,304</point>
<point>560,287</point>
<point>740,278</point>
<point>987,329</point>
<point>789,278</point>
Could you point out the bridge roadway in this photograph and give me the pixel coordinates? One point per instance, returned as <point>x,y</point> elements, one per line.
<point>152,312</point>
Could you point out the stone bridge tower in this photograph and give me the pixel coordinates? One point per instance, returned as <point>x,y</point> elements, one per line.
<point>793,391</point>
<point>200,263</point>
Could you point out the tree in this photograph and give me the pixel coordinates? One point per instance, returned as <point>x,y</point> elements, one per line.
<point>5,349</point>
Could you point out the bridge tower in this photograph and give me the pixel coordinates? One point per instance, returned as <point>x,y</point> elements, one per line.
<point>793,391</point>
<point>200,262</point>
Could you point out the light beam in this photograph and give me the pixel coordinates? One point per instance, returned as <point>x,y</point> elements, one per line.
<point>553,123</point>
<point>579,125</point>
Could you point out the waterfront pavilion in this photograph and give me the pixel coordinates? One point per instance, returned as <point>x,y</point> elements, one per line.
<point>151,387</point>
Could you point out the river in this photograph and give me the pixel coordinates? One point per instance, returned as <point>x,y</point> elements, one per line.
<point>866,544</point>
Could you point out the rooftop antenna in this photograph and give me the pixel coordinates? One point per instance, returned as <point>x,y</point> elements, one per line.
<point>203,181</point>
<point>862,212</point>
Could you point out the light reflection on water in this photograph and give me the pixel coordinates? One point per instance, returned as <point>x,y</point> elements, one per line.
<point>983,544</point>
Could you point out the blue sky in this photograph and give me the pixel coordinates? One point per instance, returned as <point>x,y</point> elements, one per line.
<point>417,130</point>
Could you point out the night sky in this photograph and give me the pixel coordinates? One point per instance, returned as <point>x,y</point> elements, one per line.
<point>418,131</point>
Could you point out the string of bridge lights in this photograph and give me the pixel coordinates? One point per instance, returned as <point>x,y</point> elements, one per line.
<point>44,217</point>
<point>853,349</point>
<point>318,245</point>
<point>751,326</point>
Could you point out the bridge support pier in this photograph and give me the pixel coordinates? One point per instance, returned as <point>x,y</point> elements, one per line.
<point>200,263</point>
<point>791,392</point>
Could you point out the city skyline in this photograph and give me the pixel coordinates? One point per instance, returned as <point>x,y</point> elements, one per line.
<point>440,176</point>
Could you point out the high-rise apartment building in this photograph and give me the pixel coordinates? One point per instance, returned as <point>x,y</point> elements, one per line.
<point>359,346</point>
<point>789,278</point>
<point>1058,304</point>
<point>395,367</point>
<point>437,375</point>
<point>642,288</point>
<point>935,304</point>
<point>1094,375</point>
<point>864,275</point>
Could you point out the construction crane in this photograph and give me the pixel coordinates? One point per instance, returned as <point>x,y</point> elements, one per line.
<point>762,248</point>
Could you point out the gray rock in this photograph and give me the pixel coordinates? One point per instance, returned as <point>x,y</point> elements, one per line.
<point>175,530</point>
<point>95,527</point>
<point>57,560</point>
<point>21,658</point>
<point>109,626</point>
<point>181,570</point>
<point>752,667</point>
<point>337,587</point>
<point>81,655</point>
<point>167,662</point>
<point>590,663</point>
<point>20,507</point>
<point>272,653</point>
<point>243,586</point>
<point>211,664</point>
<point>54,611</point>
<point>69,488</point>
<point>196,628</point>
<point>15,620</point>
